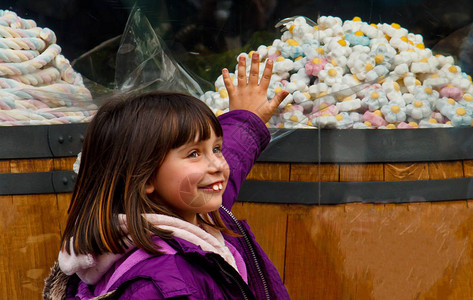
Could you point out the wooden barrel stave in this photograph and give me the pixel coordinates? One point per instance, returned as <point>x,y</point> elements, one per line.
<point>368,250</point>
<point>321,251</point>
<point>31,229</point>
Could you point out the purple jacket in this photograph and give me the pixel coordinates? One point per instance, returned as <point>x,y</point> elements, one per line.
<point>186,271</point>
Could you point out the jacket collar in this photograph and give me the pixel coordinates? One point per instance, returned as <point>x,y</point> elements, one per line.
<point>91,269</point>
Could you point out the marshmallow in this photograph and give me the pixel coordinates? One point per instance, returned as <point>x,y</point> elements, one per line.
<point>419,109</point>
<point>426,93</point>
<point>461,117</point>
<point>371,31</point>
<point>324,109</point>
<point>383,54</point>
<point>436,81</point>
<point>300,97</point>
<point>299,63</point>
<point>450,91</point>
<point>349,104</point>
<point>282,66</point>
<point>319,89</point>
<point>351,74</point>
<point>343,121</point>
<point>291,49</point>
<point>467,101</point>
<point>331,74</point>
<point>451,71</point>
<point>314,66</point>
<point>410,125</point>
<point>287,101</point>
<point>325,121</point>
<point>462,82</point>
<point>35,78</point>
<point>374,99</point>
<point>363,125</point>
<point>447,107</point>
<point>220,100</point>
<point>394,113</point>
<point>293,115</point>
<point>352,25</point>
<point>360,63</point>
<point>432,123</point>
<point>374,118</point>
<point>393,91</point>
<point>338,47</point>
<point>357,38</point>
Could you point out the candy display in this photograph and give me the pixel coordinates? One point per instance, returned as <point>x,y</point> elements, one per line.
<point>351,74</point>
<point>37,83</point>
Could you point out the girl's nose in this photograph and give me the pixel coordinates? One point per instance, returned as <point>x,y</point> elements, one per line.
<point>216,163</point>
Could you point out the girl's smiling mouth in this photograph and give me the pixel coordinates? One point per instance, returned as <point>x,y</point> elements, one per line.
<point>213,187</point>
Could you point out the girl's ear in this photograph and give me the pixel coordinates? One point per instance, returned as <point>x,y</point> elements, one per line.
<point>149,188</point>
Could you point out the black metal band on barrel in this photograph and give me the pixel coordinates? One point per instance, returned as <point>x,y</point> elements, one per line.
<point>37,183</point>
<point>313,193</point>
<point>309,193</point>
<point>370,146</point>
<point>42,141</point>
<point>293,146</point>
<point>290,146</point>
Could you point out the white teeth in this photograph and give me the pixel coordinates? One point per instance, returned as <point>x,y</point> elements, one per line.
<point>217,187</point>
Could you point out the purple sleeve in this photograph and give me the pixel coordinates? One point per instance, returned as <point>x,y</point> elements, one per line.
<point>143,290</point>
<point>244,138</point>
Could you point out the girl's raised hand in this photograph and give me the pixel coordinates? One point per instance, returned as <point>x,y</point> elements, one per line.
<point>248,94</point>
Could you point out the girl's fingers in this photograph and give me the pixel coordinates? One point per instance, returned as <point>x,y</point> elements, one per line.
<point>254,69</point>
<point>267,72</point>
<point>242,71</point>
<point>228,81</point>
<point>274,103</point>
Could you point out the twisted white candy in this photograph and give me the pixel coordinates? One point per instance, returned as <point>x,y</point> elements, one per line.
<point>8,69</point>
<point>10,18</point>
<point>39,77</point>
<point>16,56</point>
<point>36,78</point>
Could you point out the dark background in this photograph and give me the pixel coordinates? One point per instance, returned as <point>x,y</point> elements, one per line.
<point>199,32</point>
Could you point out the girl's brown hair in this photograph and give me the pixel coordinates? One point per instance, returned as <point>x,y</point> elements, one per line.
<point>124,145</point>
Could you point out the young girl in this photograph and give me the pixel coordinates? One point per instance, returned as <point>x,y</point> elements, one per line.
<point>150,213</point>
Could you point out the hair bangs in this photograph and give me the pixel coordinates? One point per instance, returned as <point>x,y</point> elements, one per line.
<point>195,123</point>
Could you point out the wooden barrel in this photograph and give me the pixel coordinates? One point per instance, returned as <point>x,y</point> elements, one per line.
<point>365,214</point>
<point>35,176</point>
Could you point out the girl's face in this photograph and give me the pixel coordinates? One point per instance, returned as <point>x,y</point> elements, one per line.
<point>192,178</point>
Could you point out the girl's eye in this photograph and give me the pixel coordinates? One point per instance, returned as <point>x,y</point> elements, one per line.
<point>217,150</point>
<point>193,154</point>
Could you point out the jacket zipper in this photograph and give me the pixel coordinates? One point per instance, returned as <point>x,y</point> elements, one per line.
<point>247,240</point>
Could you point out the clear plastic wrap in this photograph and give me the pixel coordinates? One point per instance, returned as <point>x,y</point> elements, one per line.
<point>142,63</point>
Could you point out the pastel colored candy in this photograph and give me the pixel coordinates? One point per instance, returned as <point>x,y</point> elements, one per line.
<point>35,77</point>
<point>357,38</point>
<point>461,118</point>
<point>374,119</point>
<point>325,110</point>
<point>451,92</point>
<point>349,105</point>
<point>404,125</point>
<point>394,113</point>
<point>313,67</point>
<point>375,75</point>
<point>419,110</point>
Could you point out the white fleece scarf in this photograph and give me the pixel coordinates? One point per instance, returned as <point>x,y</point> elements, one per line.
<point>90,268</point>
